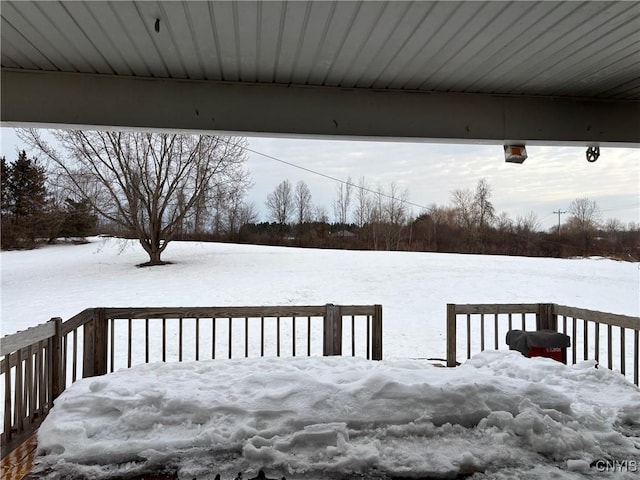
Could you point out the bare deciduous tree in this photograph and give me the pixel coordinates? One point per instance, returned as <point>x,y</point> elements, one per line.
<point>363,205</point>
<point>343,201</point>
<point>484,210</point>
<point>585,214</point>
<point>463,203</point>
<point>150,184</point>
<point>280,203</point>
<point>302,203</point>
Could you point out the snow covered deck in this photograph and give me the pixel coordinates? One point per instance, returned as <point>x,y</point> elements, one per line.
<point>499,415</point>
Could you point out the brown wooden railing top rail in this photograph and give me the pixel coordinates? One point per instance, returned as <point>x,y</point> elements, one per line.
<point>489,308</point>
<point>617,320</point>
<point>26,338</point>
<point>228,312</point>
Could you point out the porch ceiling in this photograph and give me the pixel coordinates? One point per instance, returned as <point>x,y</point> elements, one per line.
<point>469,59</point>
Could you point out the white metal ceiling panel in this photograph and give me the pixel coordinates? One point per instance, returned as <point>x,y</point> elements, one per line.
<point>18,52</point>
<point>578,49</point>
<point>296,15</point>
<point>37,31</point>
<point>270,22</point>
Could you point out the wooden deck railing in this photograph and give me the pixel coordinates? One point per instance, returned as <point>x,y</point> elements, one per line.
<point>40,362</point>
<point>590,331</point>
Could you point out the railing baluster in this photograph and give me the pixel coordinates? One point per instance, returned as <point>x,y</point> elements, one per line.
<point>369,320</point>
<point>597,342</point>
<point>623,360</point>
<point>18,394</point>
<point>197,339</point>
<point>524,322</point>
<point>482,332</point>
<point>277,336</point>
<point>468,336</point>
<point>146,340</point>
<point>585,326</point>
<point>230,337</point>
<point>353,335</point>
<point>112,329</point>
<point>309,336</point>
<point>38,397</point>
<point>213,338</point>
<point>610,346</point>
<point>293,335</point>
<point>574,338</point>
<point>262,336</point>
<point>130,342</point>
<point>495,330</point>
<point>246,338</point>
<point>64,358</point>
<point>510,321</point>
<point>164,339</point>
<point>74,371</point>
<point>180,322</point>
<point>29,383</point>
<point>636,357</point>
<point>8,411</point>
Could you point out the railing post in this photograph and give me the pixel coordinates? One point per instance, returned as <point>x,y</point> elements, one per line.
<point>451,335</point>
<point>546,319</point>
<point>95,345</point>
<point>376,333</point>
<point>332,339</point>
<point>56,362</point>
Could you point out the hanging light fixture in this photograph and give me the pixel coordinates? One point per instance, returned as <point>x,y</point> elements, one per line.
<point>515,153</point>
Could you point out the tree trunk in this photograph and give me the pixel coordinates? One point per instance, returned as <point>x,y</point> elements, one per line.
<point>154,251</point>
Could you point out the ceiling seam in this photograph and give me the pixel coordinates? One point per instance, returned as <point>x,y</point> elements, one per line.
<point>172,38</point>
<point>421,50</point>
<point>276,62</point>
<point>131,42</point>
<point>569,54</point>
<point>346,34</point>
<point>525,45</point>
<point>403,45</point>
<point>374,57</point>
<point>216,39</point>
<point>194,40</point>
<point>494,40</point>
<point>73,19</point>
<point>153,42</point>
<point>364,43</point>
<point>109,41</point>
<point>323,39</point>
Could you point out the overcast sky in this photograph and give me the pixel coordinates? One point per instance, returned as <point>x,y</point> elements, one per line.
<point>547,181</point>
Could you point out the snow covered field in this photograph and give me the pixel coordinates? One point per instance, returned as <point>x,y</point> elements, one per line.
<point>414,288</point>
<point>500,413</point>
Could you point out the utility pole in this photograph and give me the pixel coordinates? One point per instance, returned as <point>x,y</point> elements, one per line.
<point>559,212</point>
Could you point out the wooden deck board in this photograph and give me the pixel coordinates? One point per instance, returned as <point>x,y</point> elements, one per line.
<point>18,464</point>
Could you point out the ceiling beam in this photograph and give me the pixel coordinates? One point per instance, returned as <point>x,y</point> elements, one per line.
<point>34,98</point>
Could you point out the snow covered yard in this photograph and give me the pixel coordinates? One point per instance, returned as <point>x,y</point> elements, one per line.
<point>500,415</point>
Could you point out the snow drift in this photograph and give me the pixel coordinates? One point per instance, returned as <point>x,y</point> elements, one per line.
<point>334,417</point>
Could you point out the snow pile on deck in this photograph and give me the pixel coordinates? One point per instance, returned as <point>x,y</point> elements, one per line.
<point>498,414</point>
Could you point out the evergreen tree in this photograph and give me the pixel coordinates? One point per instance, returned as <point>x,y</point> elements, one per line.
<point>79,220</point>
<point>26,211</point>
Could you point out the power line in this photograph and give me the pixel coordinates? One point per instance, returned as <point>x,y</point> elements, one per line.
<point>315,172</point>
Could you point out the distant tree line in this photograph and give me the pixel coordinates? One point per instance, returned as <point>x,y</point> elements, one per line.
<point>380,219</point>
<point>162,187</point>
